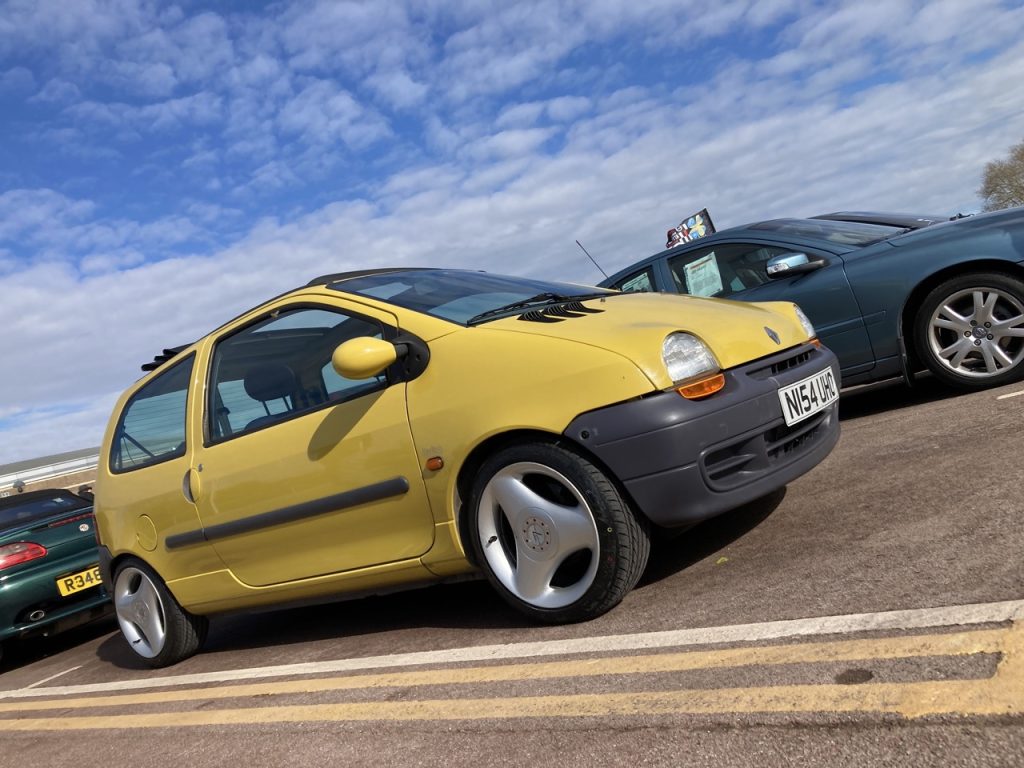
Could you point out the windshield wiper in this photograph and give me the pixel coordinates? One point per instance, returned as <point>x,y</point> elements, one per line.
<point>540,298</point>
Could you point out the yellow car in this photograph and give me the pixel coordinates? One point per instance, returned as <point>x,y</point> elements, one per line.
<point>389,428</point>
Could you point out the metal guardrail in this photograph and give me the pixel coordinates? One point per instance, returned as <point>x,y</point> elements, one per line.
<point>48,471</point>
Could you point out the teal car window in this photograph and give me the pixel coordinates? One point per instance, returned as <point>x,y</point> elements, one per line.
<point>638,282</point>
<point>722,270</point>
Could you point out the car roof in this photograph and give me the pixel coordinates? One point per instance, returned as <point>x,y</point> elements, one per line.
<point>755,229</point>
<point>338,277</point>
<point>331,279</point>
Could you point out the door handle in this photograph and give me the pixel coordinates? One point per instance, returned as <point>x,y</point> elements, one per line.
<point>186,487</point>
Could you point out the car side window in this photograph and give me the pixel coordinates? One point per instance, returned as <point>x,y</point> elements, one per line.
<point>638,282</point>
<point>152,426</point>
<point>723,269</point>
<point>280,367</point>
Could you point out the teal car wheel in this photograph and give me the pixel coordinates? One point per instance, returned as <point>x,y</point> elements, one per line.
<point>970,330</point>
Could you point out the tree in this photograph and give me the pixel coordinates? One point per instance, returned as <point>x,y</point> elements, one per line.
<point>1003,183</point>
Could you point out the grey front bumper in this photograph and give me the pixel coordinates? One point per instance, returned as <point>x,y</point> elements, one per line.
<point>683,461</point>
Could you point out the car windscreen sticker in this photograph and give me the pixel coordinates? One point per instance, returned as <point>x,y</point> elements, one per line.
<point>703,277</point>
<point>641,282</point>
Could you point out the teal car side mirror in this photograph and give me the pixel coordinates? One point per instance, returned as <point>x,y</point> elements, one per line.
<point>791,264</point>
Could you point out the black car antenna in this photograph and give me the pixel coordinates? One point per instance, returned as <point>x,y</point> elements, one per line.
<point>592,259</point>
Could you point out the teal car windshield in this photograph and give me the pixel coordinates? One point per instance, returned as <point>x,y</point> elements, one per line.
<point>855,234</point>
<point>457,295</point>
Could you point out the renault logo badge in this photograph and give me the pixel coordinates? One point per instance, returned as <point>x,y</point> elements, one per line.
<point>772,335</point>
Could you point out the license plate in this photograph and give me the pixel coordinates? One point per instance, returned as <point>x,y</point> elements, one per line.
<point>76,582</point>
<point>808,396</point>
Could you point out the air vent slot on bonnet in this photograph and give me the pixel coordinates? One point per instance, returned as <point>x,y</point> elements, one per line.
<point>556,313</point>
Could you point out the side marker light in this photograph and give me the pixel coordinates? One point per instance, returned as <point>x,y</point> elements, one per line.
<point>702,388</point>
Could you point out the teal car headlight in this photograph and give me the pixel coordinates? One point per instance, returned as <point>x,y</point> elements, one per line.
<point>685,356</point>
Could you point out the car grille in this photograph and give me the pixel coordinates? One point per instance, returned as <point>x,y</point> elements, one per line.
<point>748,459</point>
<point>745,460</point>
<point>778,366</point>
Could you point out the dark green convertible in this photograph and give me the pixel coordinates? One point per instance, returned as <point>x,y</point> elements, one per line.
<point>49,579</point>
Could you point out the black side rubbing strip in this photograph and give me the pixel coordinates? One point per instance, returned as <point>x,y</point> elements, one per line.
<point>396,486</point>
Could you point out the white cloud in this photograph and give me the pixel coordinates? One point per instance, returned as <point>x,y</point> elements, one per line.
<point>17,79</point>
<point>26,213</point>
<point>398,89</point>
<point>508,144</point>
<point>57,90</point>
<point>324,114</point>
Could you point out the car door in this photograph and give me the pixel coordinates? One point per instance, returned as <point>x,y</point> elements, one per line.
<point>736,270</point>
<point>303,472</point>
<point>150,455</point>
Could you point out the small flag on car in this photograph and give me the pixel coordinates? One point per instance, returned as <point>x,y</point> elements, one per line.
<point>692,227</point>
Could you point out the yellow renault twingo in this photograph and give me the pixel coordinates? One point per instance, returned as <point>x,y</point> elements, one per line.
<point>388,428</point>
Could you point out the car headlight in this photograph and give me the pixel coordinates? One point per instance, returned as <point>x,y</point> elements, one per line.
<point>686,356</point>
<point>805,322</point>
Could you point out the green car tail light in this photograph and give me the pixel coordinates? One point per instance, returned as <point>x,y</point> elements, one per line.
<point>19,552</point>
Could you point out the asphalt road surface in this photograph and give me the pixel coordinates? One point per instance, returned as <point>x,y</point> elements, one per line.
<point>873,614</point>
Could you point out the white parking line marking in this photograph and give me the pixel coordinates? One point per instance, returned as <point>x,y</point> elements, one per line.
<point>920,618</point>
<point>52,677</point>
<point>1010,394</point>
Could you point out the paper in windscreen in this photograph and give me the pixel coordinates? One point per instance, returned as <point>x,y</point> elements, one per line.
<point>703,277</point>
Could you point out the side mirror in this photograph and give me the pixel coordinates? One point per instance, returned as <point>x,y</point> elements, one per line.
<point>787,264</point>
<point>363,357</point>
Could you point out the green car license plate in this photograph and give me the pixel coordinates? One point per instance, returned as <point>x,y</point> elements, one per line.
<point>76,582</point>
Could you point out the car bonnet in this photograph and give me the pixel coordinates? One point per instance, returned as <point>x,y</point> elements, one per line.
<point>635,325</point>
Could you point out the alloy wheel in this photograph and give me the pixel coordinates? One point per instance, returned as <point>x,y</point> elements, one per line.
<point>538,535</point>
<point>978,332</point>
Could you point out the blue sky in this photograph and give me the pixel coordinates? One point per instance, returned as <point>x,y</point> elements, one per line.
<point>165,166</point>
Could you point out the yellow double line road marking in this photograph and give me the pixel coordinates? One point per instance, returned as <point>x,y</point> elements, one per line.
<point>1001,694</point>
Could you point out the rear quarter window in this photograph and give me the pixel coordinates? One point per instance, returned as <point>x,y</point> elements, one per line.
<point>152,425</point>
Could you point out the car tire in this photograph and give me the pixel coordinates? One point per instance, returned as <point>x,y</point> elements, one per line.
<point>969,331</point>
<point>553,533</point>
<point>158,630</point>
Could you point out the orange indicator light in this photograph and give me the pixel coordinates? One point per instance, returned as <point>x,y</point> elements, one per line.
<point>434,463</point>
<point>702,388</point>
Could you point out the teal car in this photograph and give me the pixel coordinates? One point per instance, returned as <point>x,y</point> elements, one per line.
<point>889,294</point>
<point>49,579</point>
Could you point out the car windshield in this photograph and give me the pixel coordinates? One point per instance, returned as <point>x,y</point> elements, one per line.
<point>16,511</point>
<point>853,233</point>
<point>460,296</point>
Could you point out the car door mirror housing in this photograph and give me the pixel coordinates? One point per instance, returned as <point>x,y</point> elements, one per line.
<point>363,357</point>
<point>791,264</point>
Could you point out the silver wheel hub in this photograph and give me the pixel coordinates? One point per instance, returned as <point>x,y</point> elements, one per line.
<point>978,332</point>
<point>140,612</point>
<point>538,534</point>
<point>531,520</point>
